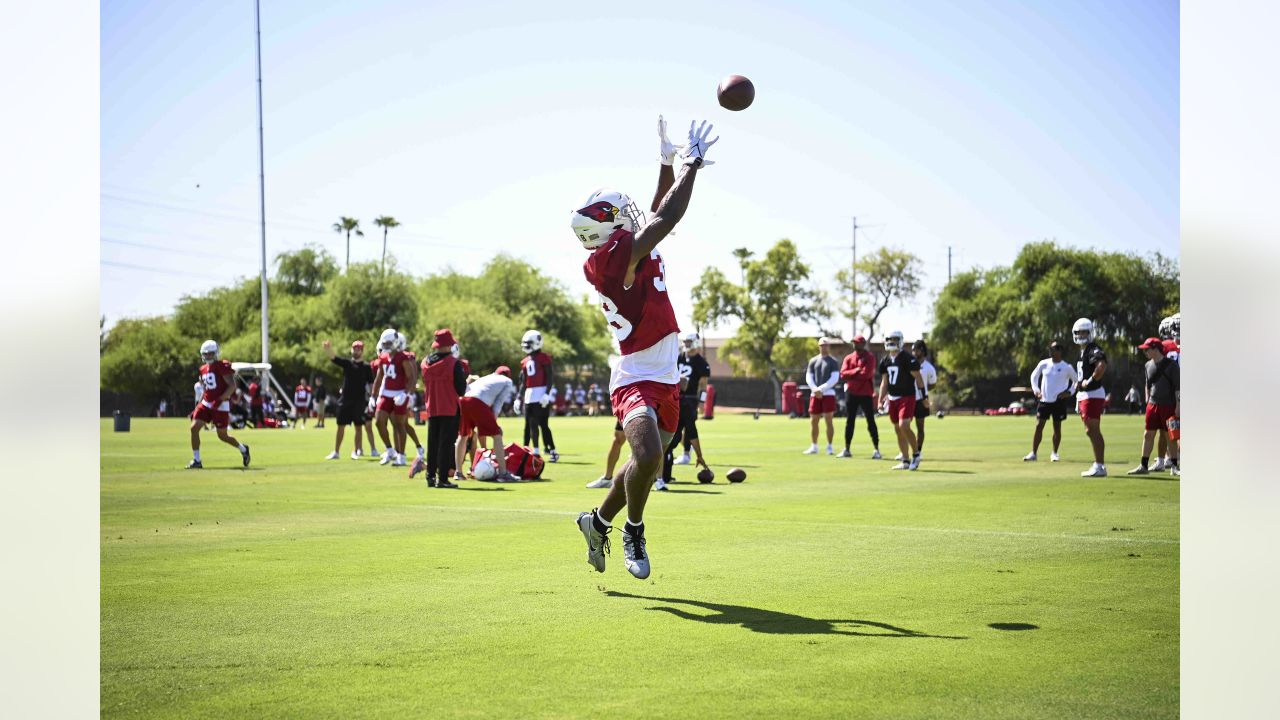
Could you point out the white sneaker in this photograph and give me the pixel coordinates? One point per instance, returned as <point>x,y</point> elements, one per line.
<point>332,456</point>
<point>1138,471</point>
<point>399,461</point>
<point>813,449</point>
<point>1054,458</point>
<point>876,455</point>
<point>898,456</point>
<point>1159,465</point>
<point>830,451</point>
<point>915,461</point>
<point>357,454</point>
<point>386,457</point>
<point>901,466</point>
<point>634,554</point>
<point>659,484</point>
<point>597,543</point>
<point>1177,471</point>
<point>1095,470</point>
<point>1031,457</point>
<point>845,454</point>
<point>682,460</point>
<point>603,482</point>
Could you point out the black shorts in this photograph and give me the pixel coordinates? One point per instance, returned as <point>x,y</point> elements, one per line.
<point>689,416</point>
<point>922,412</point>
<point>351,414</point>
<point>1056,410</point>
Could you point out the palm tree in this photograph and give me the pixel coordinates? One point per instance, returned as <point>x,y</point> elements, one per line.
<point>347,225</point>
<point>386,222</point>
<point>743,256</point>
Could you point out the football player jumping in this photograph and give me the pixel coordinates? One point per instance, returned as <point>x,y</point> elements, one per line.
<point>215,406</point>
<point>628,274</point>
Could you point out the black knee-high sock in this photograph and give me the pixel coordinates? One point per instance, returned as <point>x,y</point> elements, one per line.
<point>849,425</point>
<point>920,439</point>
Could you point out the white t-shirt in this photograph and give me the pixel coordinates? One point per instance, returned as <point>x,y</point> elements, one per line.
<point>929,375</point>
<point>1052,379</point>
<point>656,363</point>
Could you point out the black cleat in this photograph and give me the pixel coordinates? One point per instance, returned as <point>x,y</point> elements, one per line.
<point>194,465</point>
<point>245,455</point>
<point>443,483</point>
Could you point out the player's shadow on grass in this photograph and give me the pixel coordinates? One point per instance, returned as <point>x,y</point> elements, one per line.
<point>779,623</point>
<point>483,489</point>
<point>947,472</point>
<point>695,492</point>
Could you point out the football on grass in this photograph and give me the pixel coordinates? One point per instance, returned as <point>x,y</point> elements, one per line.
<point>705,475</point>
<point>735,93</point>
<point>736,475</point>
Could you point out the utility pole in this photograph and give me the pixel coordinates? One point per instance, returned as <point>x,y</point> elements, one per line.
<point>948,264</point>
<point>854,278</point>
<point>262,185</point>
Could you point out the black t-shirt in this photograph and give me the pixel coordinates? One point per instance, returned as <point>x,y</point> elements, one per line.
<point>321,393</point>
<point>356,376</point>
<point>899,369</point>
<point>692,368</point>
<point>1090,356</point>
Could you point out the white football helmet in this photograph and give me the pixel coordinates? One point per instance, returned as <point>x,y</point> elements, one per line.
<point>1165,331</point>
<point>690,340</point>
<point>486,467</point>
<point>456,351</point>
<point>1082,331</point>
<point>209,351</point>
<point>388,341</point>
<point>532,341</point>
<point>1176,328</point>
<point>893,341</point>
<point>402,342</point>
<point>603,213</point>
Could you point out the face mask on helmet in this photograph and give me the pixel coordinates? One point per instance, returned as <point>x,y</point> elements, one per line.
<point>387,341</point>
<point>893,342</point>
<point>603,213</point>
<point>1175,328</point>
<point>209,351</point>
<point>1082,331</point>
<point>690,341</point>
<point>531,342</point>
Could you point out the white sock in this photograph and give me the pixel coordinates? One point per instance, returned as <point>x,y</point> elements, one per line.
<point>242,447</point>
<point>197,454</point>
<point>420,451</point>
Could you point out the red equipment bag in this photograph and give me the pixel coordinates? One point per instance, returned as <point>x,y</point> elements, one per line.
<point>709,408</point>
<point>522,463</point>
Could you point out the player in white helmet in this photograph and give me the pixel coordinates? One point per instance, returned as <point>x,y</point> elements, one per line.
<point>899,381</point>
<point>1091,394</point>
<point>629,277</point>
<point>535,394</point>
<point>215,405</point>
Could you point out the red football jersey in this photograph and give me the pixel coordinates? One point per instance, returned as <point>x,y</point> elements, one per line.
<point>302,395</point>
<point>216,377</point>
<point>536,369</point>
<point>639,315</point>
<point>1170,346</point>
<point>392,365</point>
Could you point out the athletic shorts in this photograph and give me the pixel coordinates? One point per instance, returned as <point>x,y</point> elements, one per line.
<point>630,400</point>
<point>903,408</point>
<point>1158,416</point>
<point>921,411</point>
<point>820,404</point>
<point>351,415</point>
<point>689,416</point>
<point>301,410</point>
<point>206,414</point>
<point>388,405</point>
<point>1056,410</point>
<point>1091,408</point>
<point>477,415</point>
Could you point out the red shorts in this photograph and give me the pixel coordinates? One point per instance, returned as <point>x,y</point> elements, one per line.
<point>1158,416</point>
<point>820,404</point>
<point>206,414</point>
<point>1091,408</point>
<point>478,416</point>
<point>663,398</point>
<point>904,408</point>
<point>388,405</point>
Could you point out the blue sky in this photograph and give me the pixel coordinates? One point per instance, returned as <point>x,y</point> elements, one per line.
<point>980,126</point>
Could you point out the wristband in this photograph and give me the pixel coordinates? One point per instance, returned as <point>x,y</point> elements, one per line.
<point>702,397</point>
<point>206,403</point>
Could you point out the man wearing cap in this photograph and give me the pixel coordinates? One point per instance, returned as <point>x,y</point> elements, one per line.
<point>356,379</point>
<point>1164,401</point>
<point>822,375</point>
<point>1053,381</point>
<point>443,381</point>
<point>480,405</point>
<point>857,372</point>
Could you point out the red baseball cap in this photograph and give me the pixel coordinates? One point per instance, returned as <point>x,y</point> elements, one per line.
<point>357,344</point>
<point>1151,343</point>
<point>503,370</point>
<point>859,339</point>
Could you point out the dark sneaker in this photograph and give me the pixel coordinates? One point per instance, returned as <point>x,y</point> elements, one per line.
<point>446,484</point>
<point>194,465</point>
<point>245,455</point>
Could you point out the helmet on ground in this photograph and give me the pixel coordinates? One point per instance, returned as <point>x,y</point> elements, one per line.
<point>690,340</point>
<point>209,351</point>
<point>387,341</point>
<point>486,467</point>
<point>893,341</point>
<point>604,212</point>
<point>532,341</point>
<point>1082,331</point>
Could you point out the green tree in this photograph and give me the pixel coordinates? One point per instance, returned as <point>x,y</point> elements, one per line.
<point>776,292</point>
<point>386,222</point>
<point>365,299</point>
<point>149,359</point>
<point>743,255</point>
<point>886,276</point>
<point>305,271</point>
<point>347,225</point>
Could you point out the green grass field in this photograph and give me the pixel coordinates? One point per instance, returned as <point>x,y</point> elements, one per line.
<point>818,588</point>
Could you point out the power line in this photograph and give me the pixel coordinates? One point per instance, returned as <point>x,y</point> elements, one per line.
<point>158,271</point>
<point>161,248</point>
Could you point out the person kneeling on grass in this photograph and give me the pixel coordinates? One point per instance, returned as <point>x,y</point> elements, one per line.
<point>481,404</point>
<point>1164,402</point>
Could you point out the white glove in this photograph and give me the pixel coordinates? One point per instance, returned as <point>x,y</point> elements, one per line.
<point>401,400</point>
<point>666,151</point>
<point>546,400</point>
<point>371,404</point>
<point>516,406</point>
<point>698,145</point>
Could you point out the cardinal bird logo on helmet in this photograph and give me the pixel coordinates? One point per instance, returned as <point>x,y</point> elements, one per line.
<point>600,211</point>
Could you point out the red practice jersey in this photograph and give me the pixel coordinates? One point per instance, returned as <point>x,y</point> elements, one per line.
<point>302,395</point>
<point>640,315</point>
<point>392,366</point>
<point>536,369</point>
<point>216,377</point>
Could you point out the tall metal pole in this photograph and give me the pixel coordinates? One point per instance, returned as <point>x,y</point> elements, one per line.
<point>262,184</point>
<point>854,278</point>
<point>948,264</point>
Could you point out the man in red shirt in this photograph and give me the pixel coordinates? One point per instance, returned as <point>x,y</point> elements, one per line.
<point>443,382</point>
<point>215,407</point>
<point>857,371</point>
<point>393,376</point>
<point>628,274</point>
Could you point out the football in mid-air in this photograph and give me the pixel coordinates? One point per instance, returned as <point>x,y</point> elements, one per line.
<point>705,476</point>
<point>736,475</point>
<point>735,93</point>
